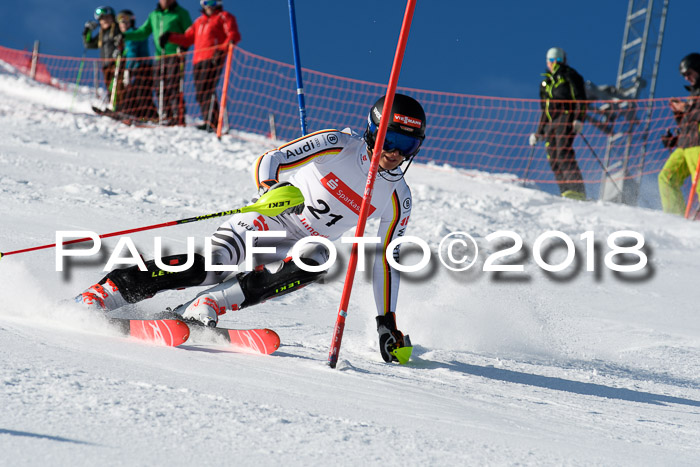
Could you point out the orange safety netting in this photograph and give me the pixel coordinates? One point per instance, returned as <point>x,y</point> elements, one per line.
<point>471,132</point>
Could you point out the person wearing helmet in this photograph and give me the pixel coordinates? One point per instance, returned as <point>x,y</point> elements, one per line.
<point>685,146</point>
<point>167,17</point>
<point>330,168</point>
<point>106,40</point>
<point>210,33</point>
<point>562,96</point>
<point>138,73</point>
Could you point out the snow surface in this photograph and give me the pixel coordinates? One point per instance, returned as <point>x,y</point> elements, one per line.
<point>583,368</point>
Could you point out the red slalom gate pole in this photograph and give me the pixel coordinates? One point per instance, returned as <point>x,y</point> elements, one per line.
<point>224,91</point>
<point>691,197</point>
<point>369,186</point>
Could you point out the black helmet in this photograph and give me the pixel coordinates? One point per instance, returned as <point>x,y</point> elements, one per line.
<point>690,62</point>
<point>406,129</point>
<point>126,15</point>
<point>101,11</point>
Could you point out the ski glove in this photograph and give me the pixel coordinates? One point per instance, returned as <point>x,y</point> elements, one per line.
<point>163,40</point>
<point>390,338</point>
<point>269,185</point>
<point>577,126</point>
<point>90,25</point>
<point>669,140</point>
<point>533,139</point>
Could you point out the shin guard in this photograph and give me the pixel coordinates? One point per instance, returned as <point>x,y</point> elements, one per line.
<point>136,285</point>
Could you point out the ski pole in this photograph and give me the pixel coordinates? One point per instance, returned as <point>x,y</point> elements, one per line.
<point>181,96</point>
<point>211,111</point>
<point>529,161</point>
<point>601,163</point>
<point>161,91</point>
<point>115,84</point>
<point>270,204</point>
<point>77,81</point>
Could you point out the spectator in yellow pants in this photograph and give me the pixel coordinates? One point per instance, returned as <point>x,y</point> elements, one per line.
<point>683,161</point>
<point>679,166</point>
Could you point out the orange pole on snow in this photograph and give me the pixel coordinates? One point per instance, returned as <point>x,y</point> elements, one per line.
<point>371,177</point>
<point>691,197</point>
<point>224,91</point>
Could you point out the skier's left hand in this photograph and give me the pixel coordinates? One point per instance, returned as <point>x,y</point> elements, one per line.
<point>577,126</point>
<point>390,338</point>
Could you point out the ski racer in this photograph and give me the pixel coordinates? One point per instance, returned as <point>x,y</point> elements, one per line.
<point>563,112</point>
<point>330,168</point>
<point>683,161</point>
<point>215,27</point>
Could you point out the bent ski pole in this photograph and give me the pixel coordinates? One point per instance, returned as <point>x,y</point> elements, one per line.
<point>601,163</point>
<point>270,204</point>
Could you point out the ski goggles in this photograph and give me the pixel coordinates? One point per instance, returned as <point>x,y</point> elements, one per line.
<point>103,11</point>
<point>124,18</point>
<point>552,60</point>
<point>406,145</point>
<point>210,3</point>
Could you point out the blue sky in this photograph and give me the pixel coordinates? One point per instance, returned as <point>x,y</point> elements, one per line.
<point>492,48</point>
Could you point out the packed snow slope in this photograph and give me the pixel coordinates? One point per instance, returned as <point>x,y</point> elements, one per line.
<point>531,368</point>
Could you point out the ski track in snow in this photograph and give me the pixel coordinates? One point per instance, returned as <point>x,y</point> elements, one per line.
<point>587,369</point>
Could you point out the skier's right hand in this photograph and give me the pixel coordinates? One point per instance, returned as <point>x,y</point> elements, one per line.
<point>89,26</point>
<point>269,185</point>
<point>163,40</point>
<point>669,140</point>
<point>533,139</point>
<point>390,338</point>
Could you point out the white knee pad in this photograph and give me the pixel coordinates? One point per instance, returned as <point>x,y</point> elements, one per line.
<point>315,251</point>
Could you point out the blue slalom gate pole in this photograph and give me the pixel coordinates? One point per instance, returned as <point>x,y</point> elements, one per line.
<point>297,67</point>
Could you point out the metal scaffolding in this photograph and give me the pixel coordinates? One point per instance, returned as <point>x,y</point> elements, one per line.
<point>636,79</point>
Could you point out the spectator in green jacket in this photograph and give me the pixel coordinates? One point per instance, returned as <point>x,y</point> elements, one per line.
<point>167,17</point>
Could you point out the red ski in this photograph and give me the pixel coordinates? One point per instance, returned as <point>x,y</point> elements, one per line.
<point>168,332</point>
<point>262,341</point>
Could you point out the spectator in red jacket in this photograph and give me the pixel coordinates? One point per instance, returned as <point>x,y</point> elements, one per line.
<point>210,33</point>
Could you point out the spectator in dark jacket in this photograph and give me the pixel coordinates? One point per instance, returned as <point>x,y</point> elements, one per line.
<point>683,161</point>
<point>561,93</point>
<point>210,33</point>
<point>106,40</point>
